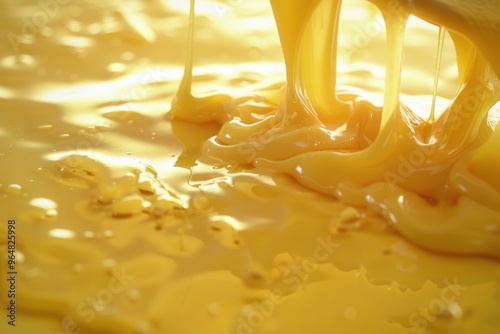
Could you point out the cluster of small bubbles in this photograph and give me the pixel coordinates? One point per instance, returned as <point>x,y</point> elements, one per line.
<point>138,192</point>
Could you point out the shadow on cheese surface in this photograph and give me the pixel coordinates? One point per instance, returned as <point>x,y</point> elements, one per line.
<point>125,224</point>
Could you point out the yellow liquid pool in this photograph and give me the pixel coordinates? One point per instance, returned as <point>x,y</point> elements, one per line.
<point>128,221</point>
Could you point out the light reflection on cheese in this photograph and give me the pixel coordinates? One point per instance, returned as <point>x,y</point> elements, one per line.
<point>181,246</point>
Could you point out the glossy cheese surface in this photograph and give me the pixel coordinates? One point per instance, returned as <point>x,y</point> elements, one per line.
<point>131,221</point>
<point>432,177</point>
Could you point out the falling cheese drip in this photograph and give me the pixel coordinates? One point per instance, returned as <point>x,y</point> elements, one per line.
<point>196,109</point>
<point>426,176</point>
<point>436,75</point>
<point>187,78</point>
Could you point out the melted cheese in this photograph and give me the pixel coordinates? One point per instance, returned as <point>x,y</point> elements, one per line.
<point>126,222</point>
<point>425,175</point>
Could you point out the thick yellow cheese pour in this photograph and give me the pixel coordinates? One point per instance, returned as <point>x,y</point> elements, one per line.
<point>436,180</point>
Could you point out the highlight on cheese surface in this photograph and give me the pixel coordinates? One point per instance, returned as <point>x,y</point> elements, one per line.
<point>432,176</point>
